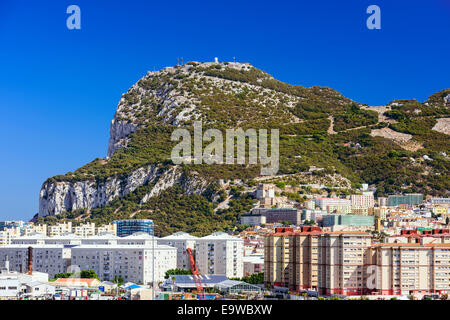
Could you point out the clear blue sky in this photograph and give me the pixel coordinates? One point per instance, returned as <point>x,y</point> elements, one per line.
<point>59,88</point>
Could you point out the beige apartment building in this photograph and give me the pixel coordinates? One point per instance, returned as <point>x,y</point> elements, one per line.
<point>349,263</point>
<point>342,262</point>
<point>330,262</point>
<point>411,268</point>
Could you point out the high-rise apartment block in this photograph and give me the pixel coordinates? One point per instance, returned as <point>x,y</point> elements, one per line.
<point>220,253</point>
<point>349,263</point>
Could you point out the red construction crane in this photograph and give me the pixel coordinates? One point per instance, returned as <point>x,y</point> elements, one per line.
<point>196,275</point>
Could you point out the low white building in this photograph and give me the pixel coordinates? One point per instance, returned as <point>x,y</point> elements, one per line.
<point>253,264</point>
<point>220,254</point>
<point>84,230</point>
<point>38,289</point>
<point>60,229</point>
<point>14,284</point>
<point>365,200</point>
<point>131,262</point>
<point>7,235</point>
<point>107,228</point>
<point>182,241</point>
<point>31,228</point>
<point>253,219</point>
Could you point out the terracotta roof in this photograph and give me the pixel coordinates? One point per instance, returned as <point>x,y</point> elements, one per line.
<point>426,245</point>
<point>64,280</point>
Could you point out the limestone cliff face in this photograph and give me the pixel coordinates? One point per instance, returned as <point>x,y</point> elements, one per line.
<point>58,197</point>
<point>119,131</point>
<point>171,96</point>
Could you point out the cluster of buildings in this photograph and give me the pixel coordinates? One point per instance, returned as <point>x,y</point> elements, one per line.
<point>357,245</point>
<point>358,212</point>
<point>138,257</point>
<point>354,263</point>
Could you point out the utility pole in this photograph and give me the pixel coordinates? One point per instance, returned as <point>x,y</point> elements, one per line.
<point>153,257</point>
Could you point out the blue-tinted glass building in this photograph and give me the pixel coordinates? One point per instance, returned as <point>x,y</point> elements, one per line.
<point>409,199</point>
<point>128,227</point>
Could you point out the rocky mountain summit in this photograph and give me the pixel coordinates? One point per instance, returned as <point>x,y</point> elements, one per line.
<point>318,127</point>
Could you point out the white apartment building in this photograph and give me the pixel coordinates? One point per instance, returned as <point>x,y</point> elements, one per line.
<point>60,229</point>
<point>31,228</point>
<point>8,235</point>
<point>108,228</point>
<point>253,264</point>
<point>365,200</point>
<point>265,191</point>
<point>440,201</point>
<point>221,254</point>
<point>50,259</point>
<point>182,241</point>
<point>412,268</point>
<point>134,263</point>
<point>310,204</point>
<point>84,230</point>
<point>323,203</point>
<point>253,219</point>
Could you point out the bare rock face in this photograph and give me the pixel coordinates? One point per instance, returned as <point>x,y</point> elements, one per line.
<point>447,100</point>
<point>119,131</point>
<point>171,96</point>
<point>58,197</point>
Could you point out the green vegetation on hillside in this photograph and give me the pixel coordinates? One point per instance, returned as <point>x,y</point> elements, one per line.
<point>252,98</point>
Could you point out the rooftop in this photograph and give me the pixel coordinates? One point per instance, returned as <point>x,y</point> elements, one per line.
<point>220,236</point>
<point>180,236</point>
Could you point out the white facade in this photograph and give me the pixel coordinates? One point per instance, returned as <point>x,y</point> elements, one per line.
<point>365,200</point>
<point>13,284</point>
<point>60,229</point>
<point>253,264</point>
<point>221,254</point>
<point>108,228</point>
<point>253,219</point>
<point>265,191</point>
<point>30,228</point>
<point>131,262</point>
<point>323,203</point>
<point>8,235</point>
<point>84,230</point>
<point>182,241</point>
<point>139,238</point>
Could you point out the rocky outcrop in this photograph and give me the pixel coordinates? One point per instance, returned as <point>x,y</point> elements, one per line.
<point>119,132</point>
<point>58,197</point>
